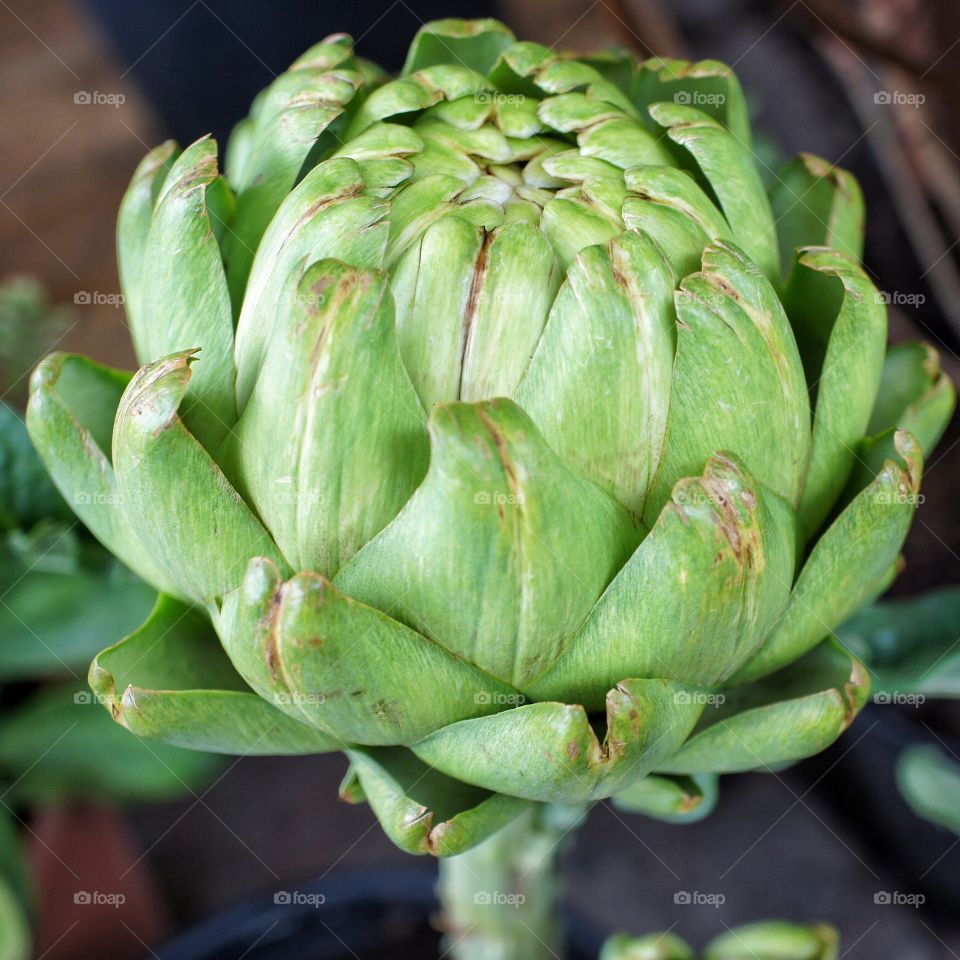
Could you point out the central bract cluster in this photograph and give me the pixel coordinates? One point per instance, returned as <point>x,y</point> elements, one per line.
<point>481,401</point>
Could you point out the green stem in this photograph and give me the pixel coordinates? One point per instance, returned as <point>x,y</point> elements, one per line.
<point>501,899</point>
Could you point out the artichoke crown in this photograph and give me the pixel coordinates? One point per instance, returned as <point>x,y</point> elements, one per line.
<point>482,400</point>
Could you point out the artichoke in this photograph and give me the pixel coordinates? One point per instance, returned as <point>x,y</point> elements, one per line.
<point>498,427</point>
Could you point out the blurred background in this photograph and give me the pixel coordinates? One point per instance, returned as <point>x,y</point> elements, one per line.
<point>88,87</point>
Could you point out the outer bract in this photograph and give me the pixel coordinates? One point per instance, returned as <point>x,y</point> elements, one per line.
<point>514,439</point>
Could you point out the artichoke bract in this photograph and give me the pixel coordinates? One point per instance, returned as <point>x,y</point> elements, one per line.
<point>498,427</point>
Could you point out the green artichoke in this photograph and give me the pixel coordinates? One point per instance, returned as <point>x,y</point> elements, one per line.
<point>511,436</point>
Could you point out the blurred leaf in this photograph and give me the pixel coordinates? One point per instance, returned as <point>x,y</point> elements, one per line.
<point>29,326</point>
<point>911,646</point>
<point>13,864</point>
<point>62,745</point>
<point>61,595</point>
<point>15,893</point>
<point>27,494</point>
<point>929,780</point>
<point>51,545</point>
<point>14,926</point>
<point>55,623</point>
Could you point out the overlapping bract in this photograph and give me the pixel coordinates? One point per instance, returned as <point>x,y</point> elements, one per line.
<point>484,400</point>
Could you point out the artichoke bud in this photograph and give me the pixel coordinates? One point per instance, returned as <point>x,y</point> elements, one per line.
<point>498,418</point>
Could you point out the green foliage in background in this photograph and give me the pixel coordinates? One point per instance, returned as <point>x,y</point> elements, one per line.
<point>60,594</point>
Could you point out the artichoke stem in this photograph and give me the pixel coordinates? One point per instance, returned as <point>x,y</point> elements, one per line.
<point>501,899</point>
